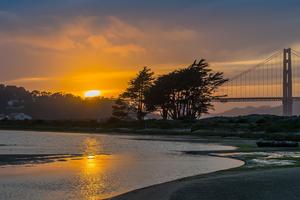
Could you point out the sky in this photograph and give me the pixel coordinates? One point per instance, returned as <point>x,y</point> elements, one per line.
<point>78,45</point>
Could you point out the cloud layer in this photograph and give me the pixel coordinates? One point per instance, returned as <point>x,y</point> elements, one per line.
<point>45,44</point>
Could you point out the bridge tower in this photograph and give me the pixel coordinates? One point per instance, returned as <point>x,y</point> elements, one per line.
<point>287,89</point>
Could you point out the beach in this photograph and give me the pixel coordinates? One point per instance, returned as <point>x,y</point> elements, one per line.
<point>270,184</point>
<point>268,174</point>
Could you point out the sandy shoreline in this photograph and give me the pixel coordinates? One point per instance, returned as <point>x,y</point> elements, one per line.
<point>266,184</point>
<point>164,191</point>
<point>231,184</point>
<point>223,184</point>
<point>23,159</point>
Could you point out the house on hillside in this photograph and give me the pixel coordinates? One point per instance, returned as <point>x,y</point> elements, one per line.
<point>19,116</point>
<point>15,104</point>
<point>3,117</point>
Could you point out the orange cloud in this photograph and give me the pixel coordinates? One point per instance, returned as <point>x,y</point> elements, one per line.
<point>29,79</point>
<point>81,34</point>
<point>98,54</point>
<point>125,50</point>
<point>118,29</point>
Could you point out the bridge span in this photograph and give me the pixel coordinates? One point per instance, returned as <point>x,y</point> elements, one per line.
<point>277,78</point>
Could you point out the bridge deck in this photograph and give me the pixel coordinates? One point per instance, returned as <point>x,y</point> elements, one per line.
<point>251,99</point>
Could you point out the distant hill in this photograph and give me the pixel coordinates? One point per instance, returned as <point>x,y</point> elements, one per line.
<point>52,106</point>
<point>249,110</point>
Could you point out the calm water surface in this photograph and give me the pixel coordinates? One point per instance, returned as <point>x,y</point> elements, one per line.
<point>111,165</point>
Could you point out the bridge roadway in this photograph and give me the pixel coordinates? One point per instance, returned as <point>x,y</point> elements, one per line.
<point>250,99</point>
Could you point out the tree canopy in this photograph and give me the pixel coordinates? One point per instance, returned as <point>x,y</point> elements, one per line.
<point>120,110</point>
<point>52,106</point>
<point>184,94</point>
<point>136,91</point>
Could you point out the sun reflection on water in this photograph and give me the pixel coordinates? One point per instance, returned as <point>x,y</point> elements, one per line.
<point>94,168</point>
<point>91,147</point>
<point>91,157</point>
<point>90,182</point>
<point>90,174</point>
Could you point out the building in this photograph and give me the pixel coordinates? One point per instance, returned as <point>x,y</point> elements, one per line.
<point>19,116</point>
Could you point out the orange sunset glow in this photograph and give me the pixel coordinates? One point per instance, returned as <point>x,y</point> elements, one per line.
<point>83,52</point>
<point>149,99</point>
<point>92,93</point>
<point>72,51</point>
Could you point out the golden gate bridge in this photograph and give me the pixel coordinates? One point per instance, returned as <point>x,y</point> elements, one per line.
<point>277,78</point>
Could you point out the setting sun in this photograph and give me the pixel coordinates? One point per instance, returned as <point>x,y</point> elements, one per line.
<point>92,93</point>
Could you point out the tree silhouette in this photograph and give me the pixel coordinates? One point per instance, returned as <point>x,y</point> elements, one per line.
<point>52,106</point>
<point>185,93</point>
<point>120,110</point>
<point>135,93</point>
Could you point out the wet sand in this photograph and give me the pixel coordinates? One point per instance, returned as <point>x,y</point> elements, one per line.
<point>234,184</point>
<point>23,159</point>
<point>272,184</point>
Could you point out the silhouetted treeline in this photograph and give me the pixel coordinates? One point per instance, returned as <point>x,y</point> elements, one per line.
<point>183,94</point>
<point>52,106</point>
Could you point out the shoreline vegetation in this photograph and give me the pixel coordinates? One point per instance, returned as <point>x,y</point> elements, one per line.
<point>267,127</point>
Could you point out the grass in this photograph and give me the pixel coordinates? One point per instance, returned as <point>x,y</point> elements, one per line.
<point>246,147</point>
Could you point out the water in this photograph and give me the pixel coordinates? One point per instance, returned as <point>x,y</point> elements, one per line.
<point>111,165</point>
